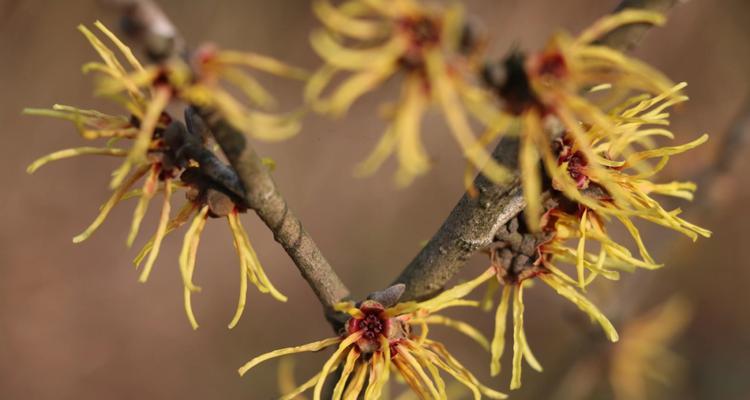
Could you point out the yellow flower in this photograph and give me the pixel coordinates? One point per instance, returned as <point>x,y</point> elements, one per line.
<point>575,232</point>
<point>166,155</point>
<point>213,68</point>
<point>167,170</point>
<point>514,279</point>
<point>146,106</point>
<point>200,208</point>
<point>616,184</point>
<point>614,179</point>
<point>94,125</point>
<point>379,340</point>
<point>545,91</point>
<point>374,40</point>
<point>201,82</point>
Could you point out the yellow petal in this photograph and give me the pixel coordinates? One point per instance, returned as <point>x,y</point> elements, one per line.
<point>314,346</point>
<point>137,153</point>
<point>262,63</point>
<point>343,23</point>
<point>666,151</point>
<point>301,388</point>
<point>250,86</point>
<point>187,262</point>
<point>125,50</point>
<point>360,59</point>
<point>354,388</point>
<point>346,371</point>
<point>74,152</point>
<point>457,292</point>
<point>243,287</point>
<point>515,380</point>
<point>458,123</point>
<point>531,182</point>
<point>333,361</point>
<point>182,217</point>
<point>384,148</point>
<point>114,199</point>
<point>583,304</point>
<point>613,21</point>
<point>161,231</point>
<point>462,327</point>
<point>354,87</point>
<point>498,340</point>
<point>149,190</point>
<point>413,159</point>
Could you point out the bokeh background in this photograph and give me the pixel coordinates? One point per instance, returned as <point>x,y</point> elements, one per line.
<point>75,323</point>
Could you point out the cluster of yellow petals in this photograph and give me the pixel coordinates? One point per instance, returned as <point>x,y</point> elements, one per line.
<point>418,360</point>
<point>513,292</point>
<point>371,41</point>
<point>140,92</point>
<point>614,128</point>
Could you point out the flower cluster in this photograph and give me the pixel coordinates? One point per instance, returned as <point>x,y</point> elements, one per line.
<point>169,155</point>
<point>588,118</point>
<point>437,53</point>
<point>517,260</point>
<point>379,340</point>
<point>584,111</point>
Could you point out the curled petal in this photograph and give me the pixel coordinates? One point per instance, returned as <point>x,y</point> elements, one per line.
<point>583,304</point>
<point>314,346</point>
<point>74,152</point>
<point>161,231</point>
<point>113,200</point>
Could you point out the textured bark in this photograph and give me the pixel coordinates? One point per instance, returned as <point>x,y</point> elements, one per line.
<point>262,195</point>
<point>471,226</point>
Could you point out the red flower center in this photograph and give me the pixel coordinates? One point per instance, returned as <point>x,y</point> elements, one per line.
<point>422,32</point>
<point>374,324</point>
<point>552,65</point>
<point>371,326</point>
<point>576,160</point>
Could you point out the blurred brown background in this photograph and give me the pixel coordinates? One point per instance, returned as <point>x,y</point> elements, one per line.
<point>75,323</point>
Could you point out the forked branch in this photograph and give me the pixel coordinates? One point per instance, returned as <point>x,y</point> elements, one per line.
<point>471,226</point>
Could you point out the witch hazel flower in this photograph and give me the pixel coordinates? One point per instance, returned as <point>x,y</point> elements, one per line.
<point>166,155</point>
<point>624,158</point>
<point>560,90</point>
<point>433,49</point>
<point>518,259</point>
<point>207,78</point>
<point>378,341</point>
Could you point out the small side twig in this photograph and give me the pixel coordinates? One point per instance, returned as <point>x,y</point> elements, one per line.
<point>627,37</point>
<point>145,21</point>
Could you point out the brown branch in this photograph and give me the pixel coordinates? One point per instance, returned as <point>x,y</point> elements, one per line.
<point>262,195</point>
<point>627,37</point>
<point>472,224</point>
<point>146,22</point>
<point>733,143</point>
<point>719,180</point>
